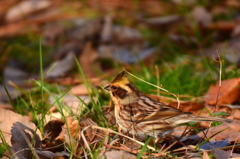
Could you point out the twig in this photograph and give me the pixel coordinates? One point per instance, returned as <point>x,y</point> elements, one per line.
<point>234,144</point>
<point>220,79</point>
<point>132,151</point>
<point>85,140</point>
<point>170,146</point>
<point>111,131</point>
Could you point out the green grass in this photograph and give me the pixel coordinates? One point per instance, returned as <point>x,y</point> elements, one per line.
<point>186,75</point>
<point>27,45</point>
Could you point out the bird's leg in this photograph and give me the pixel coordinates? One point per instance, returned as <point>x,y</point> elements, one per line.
<point>110,106</point>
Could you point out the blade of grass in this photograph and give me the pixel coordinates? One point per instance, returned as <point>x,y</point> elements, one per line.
<point>143,148</point>
<point>8,94</point>
<point>198,146</point>
<point>4,143</point>
<point>41,69</point>
<point>95,106</point>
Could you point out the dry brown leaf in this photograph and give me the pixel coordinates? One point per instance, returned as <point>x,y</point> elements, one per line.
<point>202,16</point>
<point>229,92</point>
<point>72,103</point>
<point>162,99</point>
<point>22,137</point>
<point>79,90</point>
<point>25,144</point>
<point>220,154</point>
<point>232,3</point>
<point>31,23</point>
<point>236,114</point>
<point>76,104</point>
<point>25,8</point>
<point>88,61</point>
<point>6,106</point>
<point>114,154</point>
<point>64,81</point>
<point>7,119</point>
<point>52,129</point>
<point>205,155</point>
<point>189,106</point>
<point>231,133</point>
<point>225,26</point>
<point>232,110</point>
<point>18,28</point>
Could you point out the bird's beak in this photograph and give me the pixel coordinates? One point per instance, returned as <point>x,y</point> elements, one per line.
<point>108,88</point>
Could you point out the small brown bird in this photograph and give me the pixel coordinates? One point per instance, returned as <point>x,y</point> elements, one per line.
<point>142,116</point>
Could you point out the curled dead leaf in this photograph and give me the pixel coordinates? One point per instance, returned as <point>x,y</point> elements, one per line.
<point>229,92</point>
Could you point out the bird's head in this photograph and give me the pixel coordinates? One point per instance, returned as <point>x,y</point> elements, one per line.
<point>121,89</point>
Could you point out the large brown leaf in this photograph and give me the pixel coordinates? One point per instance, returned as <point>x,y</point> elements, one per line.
<point>8,118</point>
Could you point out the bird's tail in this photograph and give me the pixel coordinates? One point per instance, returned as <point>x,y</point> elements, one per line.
<point>214,119</point>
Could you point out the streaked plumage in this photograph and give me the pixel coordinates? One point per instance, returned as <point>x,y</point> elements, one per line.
<point>142,116</point>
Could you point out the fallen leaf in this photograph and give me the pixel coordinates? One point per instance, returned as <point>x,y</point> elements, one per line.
<point>24,8</point>
<point>163,99</point>
<point>164,23</point>
<point>229,92</point>
<point>220,154</point>
<point>231,133</point>
<point>79,90</point>
<point>126,35</point>
<point>224,26</point>
<point>202,16</point>
<point>52,129</point>
<point>205,155</point>
<point>6,106</point>
<point>229,50</point>
<point>232,110</point>
<point>85,31</point>
<point>89,58</point>
<point>8,118</point>
<point>214,144</point>
<point>73,104</point>
<point>61,67</point>
<point>236,31</point>
<point>107,31</point>
<point>189,106</point>
<point>22,138</point>
<point>114,154</point>
<point>27,144</point>
<point>125,54</point>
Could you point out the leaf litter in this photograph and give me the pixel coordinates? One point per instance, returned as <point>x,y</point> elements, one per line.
<point>91,40</point>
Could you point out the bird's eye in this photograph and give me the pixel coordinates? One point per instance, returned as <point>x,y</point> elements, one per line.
<point>114,87</point>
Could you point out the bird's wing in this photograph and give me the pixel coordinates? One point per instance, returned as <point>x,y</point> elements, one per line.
<point>164,112</point>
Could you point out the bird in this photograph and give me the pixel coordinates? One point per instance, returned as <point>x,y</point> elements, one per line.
<point>142,116</point>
